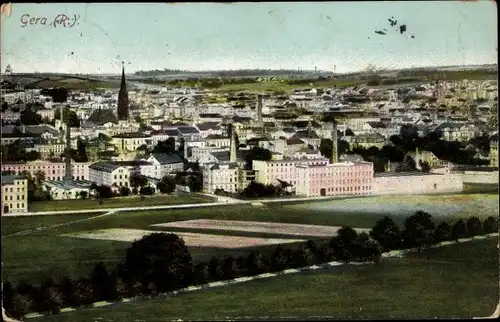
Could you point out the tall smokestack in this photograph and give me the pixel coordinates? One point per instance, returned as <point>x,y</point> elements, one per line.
<point>259,109</point>
<point>335,157</point>
<point>232,152</point>
<point>61,122</point>
<point>69,174</point>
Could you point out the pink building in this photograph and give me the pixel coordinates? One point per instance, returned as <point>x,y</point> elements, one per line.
<point>337,179</point>
<point>272,172</point>
<point>52,170</point>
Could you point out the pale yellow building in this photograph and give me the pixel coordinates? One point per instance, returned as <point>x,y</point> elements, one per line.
<point>14,194</point>
<point>494,151</point>
<point>129,142</point>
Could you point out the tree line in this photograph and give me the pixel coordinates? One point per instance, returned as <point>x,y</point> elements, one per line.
<point>161,262</point>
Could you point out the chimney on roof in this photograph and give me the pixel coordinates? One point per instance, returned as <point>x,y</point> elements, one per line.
<point>232,152</point>
<point>335,157</point>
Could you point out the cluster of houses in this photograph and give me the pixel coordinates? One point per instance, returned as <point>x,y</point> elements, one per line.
<point>286,125</point>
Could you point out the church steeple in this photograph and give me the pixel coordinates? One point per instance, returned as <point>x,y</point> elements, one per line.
<point>123,98</point>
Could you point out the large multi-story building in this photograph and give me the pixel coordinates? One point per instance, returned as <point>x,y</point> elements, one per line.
<point>162,164</point>
<point>276,171</point>
<point>336,179</point>
<point>109,174</point>
<point>221,176</point>
<point>14,194</point>
<point>51,170</point>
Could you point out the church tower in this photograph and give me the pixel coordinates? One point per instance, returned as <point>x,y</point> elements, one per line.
<point>122,111</point>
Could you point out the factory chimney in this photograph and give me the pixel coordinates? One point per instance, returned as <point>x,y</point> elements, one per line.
<point>335,157</point>
<point>260,100</point>
<point>232,152</point>
<point>69,175</point>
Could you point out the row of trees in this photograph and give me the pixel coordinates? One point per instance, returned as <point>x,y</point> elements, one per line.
<point>421,231</point>
<point>161,262</point>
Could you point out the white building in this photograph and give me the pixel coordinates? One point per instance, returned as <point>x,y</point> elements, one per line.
<point>109,174</point>
<point>220,176</point>
<point>162,165</point>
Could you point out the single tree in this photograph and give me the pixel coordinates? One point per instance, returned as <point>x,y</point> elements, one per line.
<point>458,230</point>
<point>387,233</point>
<point>442,232</point>
<point>419,229</point>
<point>20,305</point>
<point>202,273</point>
<point>161,258</point>
<point>215,269</point>
<point>474,227</point>
<point>101,282</point>
<point>490,225</point>
<point>257,263</point>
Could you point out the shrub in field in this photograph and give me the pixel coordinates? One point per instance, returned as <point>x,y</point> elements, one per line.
<point>419,230</point>
<point>490,225</point>
<point>228,268</point>
<point>387,233</point>
<point>159,258</point>
<point>20,305</point>
<point>458,230</point>
<point>201,273</point>
<point>280,259</point>
<point>474,227</point>
<point>257,263</point>
<point>215,269</point>
<point>442,232</point>
<point>102,284</point>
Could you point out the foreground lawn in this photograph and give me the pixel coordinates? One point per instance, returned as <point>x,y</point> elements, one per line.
<point>12,225</point>
<point>457,281</point>
<point>58,205</point>
<point>30,256</point>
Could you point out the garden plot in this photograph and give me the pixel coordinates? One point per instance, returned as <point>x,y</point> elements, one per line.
<point>257,227</point>
<point>190,239</point>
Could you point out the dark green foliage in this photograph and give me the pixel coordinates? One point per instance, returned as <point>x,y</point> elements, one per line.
<point>166,185</point>
<point>419,229</point>
<point>165,147</point>
<point>490,225</point>
<point>257,153</point>
<point>162,259</point>
<point>458,230</point>
<point>257,263</point>
<point>387,233</point>
<point>442,232</point>
<point>215,269</point>
<point>101,282</point>
<point>474,227</point>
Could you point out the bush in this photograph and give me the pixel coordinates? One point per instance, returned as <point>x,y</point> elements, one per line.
<point>490,225</point>
<point>474,227</point>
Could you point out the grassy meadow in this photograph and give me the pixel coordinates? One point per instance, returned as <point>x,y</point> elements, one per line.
<point>135,201</point>
<point>46,252</point>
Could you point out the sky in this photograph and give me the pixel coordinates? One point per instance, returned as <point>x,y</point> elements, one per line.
<point>215,36</point>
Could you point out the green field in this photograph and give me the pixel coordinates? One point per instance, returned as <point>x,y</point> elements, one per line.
<point>456,281</point>
<point>32,256</point>
<point>156,200</point>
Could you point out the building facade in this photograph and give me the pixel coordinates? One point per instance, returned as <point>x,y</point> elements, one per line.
<point>337,179</point>
<point>51,170</point>
<point>221,176</point>
<point>416,183</point>
<point>14,194</point>
<point>109,174</point>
